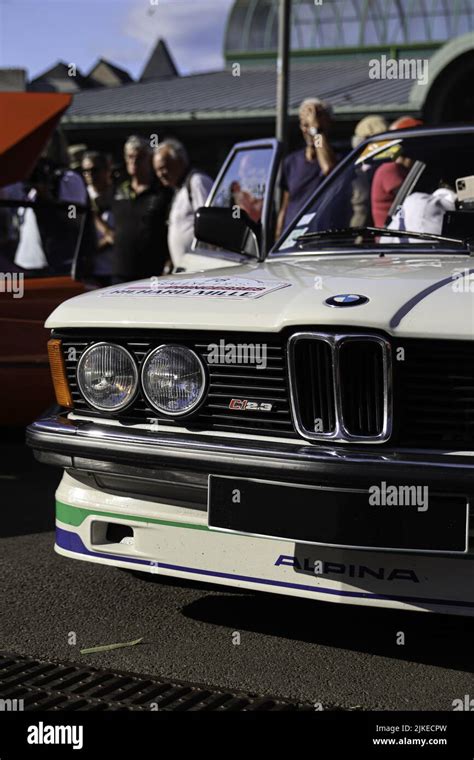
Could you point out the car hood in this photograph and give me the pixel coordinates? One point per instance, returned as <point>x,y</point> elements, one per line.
<point>28,121</point>
<point>407,295</point>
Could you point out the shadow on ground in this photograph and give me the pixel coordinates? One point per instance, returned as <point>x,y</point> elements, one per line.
<point>26,487</point>
<point>442,640</point>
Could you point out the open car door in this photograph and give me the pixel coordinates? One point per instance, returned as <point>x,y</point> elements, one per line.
<point>246,181</point>
<point>28,296</point>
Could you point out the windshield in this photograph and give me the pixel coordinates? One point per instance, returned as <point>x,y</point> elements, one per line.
<point>422,184</point>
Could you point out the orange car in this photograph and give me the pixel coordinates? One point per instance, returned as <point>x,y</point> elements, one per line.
<point>27,297</point>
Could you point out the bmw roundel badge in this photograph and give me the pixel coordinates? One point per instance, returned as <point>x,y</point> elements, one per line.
<point>346,299</point>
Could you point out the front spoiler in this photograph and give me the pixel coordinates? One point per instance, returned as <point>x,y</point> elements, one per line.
<point>88,445</point>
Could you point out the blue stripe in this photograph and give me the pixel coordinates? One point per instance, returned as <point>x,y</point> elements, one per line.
<point>65,539</point>
<point>409,305</point>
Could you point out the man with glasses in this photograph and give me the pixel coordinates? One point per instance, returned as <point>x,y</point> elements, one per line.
<point>97,173</point>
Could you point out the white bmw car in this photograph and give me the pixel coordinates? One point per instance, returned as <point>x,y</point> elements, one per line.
<point>299,419</point>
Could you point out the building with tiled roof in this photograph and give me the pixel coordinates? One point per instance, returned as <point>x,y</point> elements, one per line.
<point>333,46</point>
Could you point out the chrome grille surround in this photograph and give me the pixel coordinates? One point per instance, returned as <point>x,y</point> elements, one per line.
<point>339,432</point>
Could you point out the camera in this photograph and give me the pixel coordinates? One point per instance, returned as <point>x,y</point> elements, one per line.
<point>47,174</point>
<point>465,193</point>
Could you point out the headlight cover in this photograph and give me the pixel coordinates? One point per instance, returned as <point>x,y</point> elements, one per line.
<point>173,379</point>
<point>107,376</point>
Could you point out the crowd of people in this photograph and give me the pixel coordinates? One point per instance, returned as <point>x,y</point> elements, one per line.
<point>143,225</point>
<point>135,228</point>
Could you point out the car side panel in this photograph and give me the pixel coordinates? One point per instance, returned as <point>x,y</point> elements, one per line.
<point>25,384</point>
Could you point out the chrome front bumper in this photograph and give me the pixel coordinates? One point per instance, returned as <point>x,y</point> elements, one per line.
<point>98,447</point>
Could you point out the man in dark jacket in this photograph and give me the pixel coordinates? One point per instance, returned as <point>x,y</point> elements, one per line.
<point>140,210</point>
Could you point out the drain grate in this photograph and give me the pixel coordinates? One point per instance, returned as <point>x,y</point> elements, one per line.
<point>46,685</point>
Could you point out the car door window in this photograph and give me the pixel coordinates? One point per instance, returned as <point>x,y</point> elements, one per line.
<point>246,182</point>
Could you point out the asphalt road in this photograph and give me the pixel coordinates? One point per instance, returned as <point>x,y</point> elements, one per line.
<point>299,649</point>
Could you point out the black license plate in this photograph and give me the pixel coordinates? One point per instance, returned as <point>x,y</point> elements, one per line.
<point>338,517</point>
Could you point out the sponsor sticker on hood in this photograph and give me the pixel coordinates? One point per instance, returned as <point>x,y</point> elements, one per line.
<point>205,287</point>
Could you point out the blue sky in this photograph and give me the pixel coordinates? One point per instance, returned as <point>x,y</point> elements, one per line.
<point>35,34</point>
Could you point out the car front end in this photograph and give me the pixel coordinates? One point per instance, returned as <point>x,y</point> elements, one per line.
<point>300,426</point>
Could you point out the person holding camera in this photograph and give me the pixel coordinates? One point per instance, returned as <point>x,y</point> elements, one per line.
<point>48,233</point>
<point>304,169</point>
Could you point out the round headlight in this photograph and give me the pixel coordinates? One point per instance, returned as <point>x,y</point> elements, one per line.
<point>107,377</point>
<point>173,379</point>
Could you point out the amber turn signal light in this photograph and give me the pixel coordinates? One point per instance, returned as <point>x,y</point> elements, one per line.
<point>58,373</point>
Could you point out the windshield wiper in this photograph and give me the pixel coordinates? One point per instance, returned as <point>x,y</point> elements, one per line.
<point>353,232</point>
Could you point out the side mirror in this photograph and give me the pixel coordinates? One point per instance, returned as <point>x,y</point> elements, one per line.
<point>220,227</point>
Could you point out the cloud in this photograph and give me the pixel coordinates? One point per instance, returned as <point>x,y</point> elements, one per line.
<point>193,30</point>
